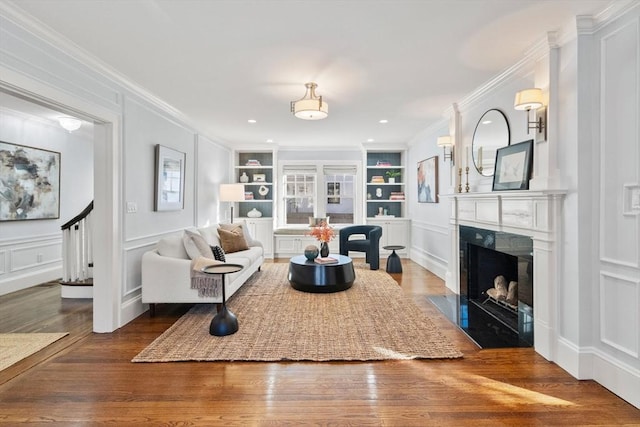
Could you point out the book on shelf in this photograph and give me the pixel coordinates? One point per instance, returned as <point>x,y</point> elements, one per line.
<point>248,195</point>
<point>397,195</point>
<point>253,162</point>
<point>325,260</point>
<point>383,163</point>
<point>377,179</point>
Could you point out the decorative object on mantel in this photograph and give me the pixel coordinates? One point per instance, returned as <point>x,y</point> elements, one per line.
<point>244,178</point>
<point>459,180</point>
<point>529,99</point>
<point>513,167</point>
<point>444,142</point>
<point>428,180</point>
<point>310,106</point>
<point>466,187</point>
<point>254,213</point>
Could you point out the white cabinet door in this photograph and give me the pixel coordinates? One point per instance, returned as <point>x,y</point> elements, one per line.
<point>394,232</point>
<point>292,245</point>
<point>262,231</point>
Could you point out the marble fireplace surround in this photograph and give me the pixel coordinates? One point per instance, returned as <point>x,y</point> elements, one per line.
<point>535,214</point>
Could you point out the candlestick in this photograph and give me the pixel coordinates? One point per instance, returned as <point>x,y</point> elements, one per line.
<point>459,180</point>
<point>467,186</point>
<point>467,149</point>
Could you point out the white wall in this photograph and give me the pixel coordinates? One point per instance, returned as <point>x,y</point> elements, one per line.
<point>34,60</point>
<point>30,251</point>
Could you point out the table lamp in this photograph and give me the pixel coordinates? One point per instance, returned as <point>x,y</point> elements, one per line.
<point>231,193</point>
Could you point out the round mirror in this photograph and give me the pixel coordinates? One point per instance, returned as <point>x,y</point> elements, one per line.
<point>492,132</point>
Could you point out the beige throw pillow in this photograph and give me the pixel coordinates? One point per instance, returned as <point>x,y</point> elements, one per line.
<point>195,245</point>
<point>232,240</point>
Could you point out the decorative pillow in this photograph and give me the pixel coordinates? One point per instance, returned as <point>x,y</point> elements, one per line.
<point>195,245</point>
<point>245,232</point>
<point>218,253</point>
<point>232,241</point>
<point>210,235</point>
<point>172,246</point>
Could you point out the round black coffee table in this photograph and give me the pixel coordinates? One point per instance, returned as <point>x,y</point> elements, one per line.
<point>309,276</point>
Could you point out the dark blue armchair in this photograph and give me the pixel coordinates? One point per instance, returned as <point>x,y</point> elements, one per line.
<point>370,245</point>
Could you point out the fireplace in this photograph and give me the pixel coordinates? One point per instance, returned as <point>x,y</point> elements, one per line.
<point>496,287</point>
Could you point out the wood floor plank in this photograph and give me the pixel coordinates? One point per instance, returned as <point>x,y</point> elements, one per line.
<point>88,379</point>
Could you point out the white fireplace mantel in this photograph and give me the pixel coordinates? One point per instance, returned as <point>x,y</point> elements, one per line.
<point>530,213</point>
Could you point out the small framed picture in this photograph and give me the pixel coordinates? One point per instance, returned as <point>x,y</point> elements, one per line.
<point>513,167</point>
<point>259,177</point>
<point>169,179</point>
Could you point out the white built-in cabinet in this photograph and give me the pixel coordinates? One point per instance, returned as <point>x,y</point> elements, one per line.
<point>395,231</point>
<point>288,245</point>
<point>255,169</point>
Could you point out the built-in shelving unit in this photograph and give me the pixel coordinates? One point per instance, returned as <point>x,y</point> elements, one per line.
<point>385,194</point>
<point>255,170</point>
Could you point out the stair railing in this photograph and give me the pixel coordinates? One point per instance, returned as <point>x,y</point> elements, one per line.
<point>77,247</point>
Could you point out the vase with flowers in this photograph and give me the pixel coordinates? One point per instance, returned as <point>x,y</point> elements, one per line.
<point>324,234</point>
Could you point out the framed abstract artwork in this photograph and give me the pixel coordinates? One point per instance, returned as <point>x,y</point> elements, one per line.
<point>169,188</point>
<point>29,183</point>
<point>428,180</point>
<point>513,167</point>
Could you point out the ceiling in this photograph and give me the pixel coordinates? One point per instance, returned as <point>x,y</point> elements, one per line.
<point>223,62</point>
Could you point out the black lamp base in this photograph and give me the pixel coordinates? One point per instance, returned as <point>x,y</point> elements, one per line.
<point>224,323</point>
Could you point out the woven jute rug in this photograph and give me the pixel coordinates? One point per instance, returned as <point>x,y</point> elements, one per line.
<point>15,347</point>
<point>373,320</point>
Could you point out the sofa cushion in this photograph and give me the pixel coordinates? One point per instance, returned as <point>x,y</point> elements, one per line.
<point>210,235</point>
<point>245,231</point>
<point>173,247</point>
<point>232,240</point>
<point>195,245</point>
<point>247,257</point>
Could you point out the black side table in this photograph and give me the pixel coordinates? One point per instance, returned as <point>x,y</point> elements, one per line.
<point>224,322</point>
<point>393,262</point>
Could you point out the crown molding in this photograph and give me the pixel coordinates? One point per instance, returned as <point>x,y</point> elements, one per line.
<point>66,47</point>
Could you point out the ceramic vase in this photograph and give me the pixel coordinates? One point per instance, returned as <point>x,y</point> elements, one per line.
<point>311,252</point>
<point>324,249</point>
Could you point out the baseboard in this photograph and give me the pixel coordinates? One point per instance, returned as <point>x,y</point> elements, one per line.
<point>131,309</point>
<point>29,280</point>
<point>428,261</point>
<point>76,291</point>
<point>590,363</point>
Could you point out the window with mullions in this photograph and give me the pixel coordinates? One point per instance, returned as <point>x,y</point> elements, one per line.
<point>340,195</point>
<point>299,195</point>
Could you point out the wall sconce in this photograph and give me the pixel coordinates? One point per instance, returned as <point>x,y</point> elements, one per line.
<point>69,123</point>
<point>444,142</point>
<point>527,100</point>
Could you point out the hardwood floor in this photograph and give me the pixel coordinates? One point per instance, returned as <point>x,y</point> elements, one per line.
<point>88,379</point>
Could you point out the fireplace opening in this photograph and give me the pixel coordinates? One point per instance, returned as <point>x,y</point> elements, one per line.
<point>495,305</point>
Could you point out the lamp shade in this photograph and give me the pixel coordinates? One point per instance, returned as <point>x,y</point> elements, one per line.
<point>528,99</point>
<point>231,192</point>
<point>444,141</point>
<point>310,106</point>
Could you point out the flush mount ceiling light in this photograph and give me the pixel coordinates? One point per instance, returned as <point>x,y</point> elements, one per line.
<point>70,123</point>
<point>310,106</point>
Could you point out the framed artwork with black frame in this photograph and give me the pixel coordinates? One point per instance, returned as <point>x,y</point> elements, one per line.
<point>29,183</point>
<point>169,178</point>
<point>513,167</point>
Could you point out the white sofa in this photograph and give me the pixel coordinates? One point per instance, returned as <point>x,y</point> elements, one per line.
<point>166,270</point>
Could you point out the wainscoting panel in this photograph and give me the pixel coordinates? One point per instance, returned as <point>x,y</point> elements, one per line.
<point>24,258</point>
<point>619,302</point>
<point>3,262</point>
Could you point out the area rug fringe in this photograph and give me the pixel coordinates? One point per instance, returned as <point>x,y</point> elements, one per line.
<point>374,320</point>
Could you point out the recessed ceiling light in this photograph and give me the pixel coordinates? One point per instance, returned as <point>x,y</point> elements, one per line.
<point>269,140</point>
<point>384,121</point>
<point>251,121</point>
<point>370,140</point>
